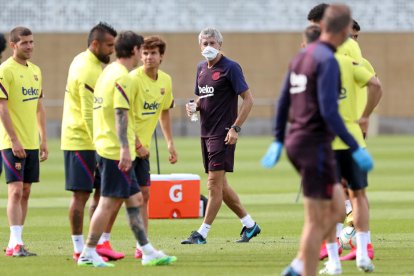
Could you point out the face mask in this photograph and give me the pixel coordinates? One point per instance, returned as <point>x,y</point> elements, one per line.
<point>210,53</point>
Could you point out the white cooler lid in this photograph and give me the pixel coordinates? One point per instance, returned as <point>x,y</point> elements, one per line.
<point>175,176</point>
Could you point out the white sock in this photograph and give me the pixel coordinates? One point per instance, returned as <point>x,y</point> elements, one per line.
<point>16,232</point>
<point>104,237</point>
<point>247,221</point>
<point>348,206</point>
<point>138,246</point>
<point>333,255</point>
<point>148,249</point>
<point>203,230</point>
<point>369,237</point>
<point>297,265</point>
<point>78,243</point>
<point>339,227</point>
<point>362,243</point>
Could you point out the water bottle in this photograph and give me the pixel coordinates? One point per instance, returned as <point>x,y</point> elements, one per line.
<point>193,107</point>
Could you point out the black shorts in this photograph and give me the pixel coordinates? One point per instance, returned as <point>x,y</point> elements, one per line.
<point>349,170</point>
<point>316,164</point>
<point>217,156</point>
<point>114,182</point>
<point>80,168</point>
<point>24,170</point>
<point>142,172</point>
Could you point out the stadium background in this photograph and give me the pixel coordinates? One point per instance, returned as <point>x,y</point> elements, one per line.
<point>262,35</point>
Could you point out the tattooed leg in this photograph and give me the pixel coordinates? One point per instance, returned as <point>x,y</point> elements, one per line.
<point>137,225</point>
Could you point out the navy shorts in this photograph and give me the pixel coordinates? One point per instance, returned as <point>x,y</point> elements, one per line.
<point>142,172</point>
<point>24,170</point>
<point>217,156</point>
<point>349,170</point>
<point>114,182</point>
<point>80,168</point>
<point>316,164</point>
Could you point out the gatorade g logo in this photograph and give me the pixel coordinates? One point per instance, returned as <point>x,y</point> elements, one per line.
<point>151,106</point>
<point>176,193</point>
<point>30,91</point>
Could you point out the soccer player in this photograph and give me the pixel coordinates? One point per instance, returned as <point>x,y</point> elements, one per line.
<point>23,122</point>
<point>309,93</point>
<point>219,82</point>
<point>114,138</point>
<point>2,45</point>
<point>77,134</point>
<point>153,103</point>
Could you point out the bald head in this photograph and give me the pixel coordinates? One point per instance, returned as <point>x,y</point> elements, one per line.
<point>337,18</point>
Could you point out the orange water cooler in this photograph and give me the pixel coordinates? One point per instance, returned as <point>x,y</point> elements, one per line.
<point>174,196</point>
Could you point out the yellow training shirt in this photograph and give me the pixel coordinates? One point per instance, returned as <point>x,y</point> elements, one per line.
<point>77,123</point>
<point>351,48</point>
<point>112,91</point>
<point>353,76</point>
<point>21,86</point>
<point>362,97</point>
<point>152,96</point>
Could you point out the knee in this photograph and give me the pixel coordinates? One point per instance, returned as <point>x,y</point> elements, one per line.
<point>80,198</point>
<point>26,193</point>
<point>145,195</point>
<point>15,194</point>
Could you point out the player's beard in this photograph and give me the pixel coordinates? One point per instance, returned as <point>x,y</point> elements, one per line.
<point>104,58</point>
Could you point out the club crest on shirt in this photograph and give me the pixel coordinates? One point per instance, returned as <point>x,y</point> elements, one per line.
<point>35,77</point>
<point>162,91</point>
<point>215,76</point>
<point>18,166</point>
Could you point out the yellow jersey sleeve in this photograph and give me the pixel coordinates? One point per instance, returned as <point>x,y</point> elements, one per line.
<point>361,75</point>
<point>5,79</point>
<point>122,88</point>
<point>351,49</point>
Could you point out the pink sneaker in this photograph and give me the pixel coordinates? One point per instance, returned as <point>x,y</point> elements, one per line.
<point>8,251</point>
<point>105,250</point>
<point>138,254</point>
<point>323,253</point>
<point>352,254</point>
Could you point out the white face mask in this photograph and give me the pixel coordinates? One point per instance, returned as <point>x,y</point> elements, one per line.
<point>210,53</point>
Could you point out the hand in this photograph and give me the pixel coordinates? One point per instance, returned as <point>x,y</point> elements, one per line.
<point>363,124</point>
<point>231,137</point>
<point>18,149</point>
<point>44,152</point>
<point>363,159</point>
<point>142,152</point>
<point>189,109</point>
<point>125,161</point>
<point>173,154</point>
<point>272,155</point>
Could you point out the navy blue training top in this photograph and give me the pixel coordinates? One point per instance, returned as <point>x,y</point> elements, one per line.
<point>310,97</point>
<point>218,88</point>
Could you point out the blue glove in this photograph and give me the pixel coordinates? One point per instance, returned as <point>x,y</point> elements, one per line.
<point>363,159</point>
<point>272,155</point>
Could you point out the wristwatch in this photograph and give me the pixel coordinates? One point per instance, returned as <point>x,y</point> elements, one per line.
<point>236,128</point>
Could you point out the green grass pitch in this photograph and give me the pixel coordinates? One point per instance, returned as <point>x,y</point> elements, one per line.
<point>268,195</point>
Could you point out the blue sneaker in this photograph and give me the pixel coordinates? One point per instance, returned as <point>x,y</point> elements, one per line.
<point>247,234</point>
<point>194,238</point>
<point>290,272</point>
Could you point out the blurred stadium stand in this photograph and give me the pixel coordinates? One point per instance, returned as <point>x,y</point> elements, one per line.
<point>262,35</point>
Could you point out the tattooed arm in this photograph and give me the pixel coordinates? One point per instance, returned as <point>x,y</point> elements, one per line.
<point>121,122</point>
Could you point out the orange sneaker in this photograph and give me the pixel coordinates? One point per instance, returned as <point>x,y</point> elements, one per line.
<point>105,250</point>
<point>138,253</point>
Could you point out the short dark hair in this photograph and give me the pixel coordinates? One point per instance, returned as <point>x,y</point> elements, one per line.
<point>152,42</point>
<point>336,18</point>
<point>17,32</point>
<point>98,32</point>
<point>125,43</point>
<point>312,33</point>
<point>355,25</point>
<point>317,12</point>
<point>3,43</point>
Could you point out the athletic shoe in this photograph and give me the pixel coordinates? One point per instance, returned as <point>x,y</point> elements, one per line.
<point>323,253</point>
<point>352,254</point>
<point>106,250</point>
<point>8,251</point>
<point>247,234</point>
<point>89,261</point>
<point>365,265</point>
<point>20,251</point>
<point>194,238</point>
<point>138,254</point>
<point>75,257</point>
<point>290,272</point>
<point>157,258</point>
<point>331,268</point>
